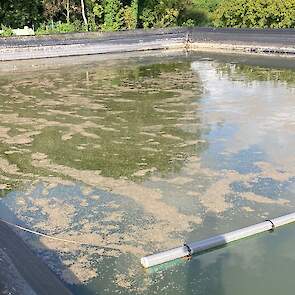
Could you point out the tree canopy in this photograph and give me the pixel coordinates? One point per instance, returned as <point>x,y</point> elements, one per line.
<point>20,13</point>
<point>53,16</point>
<point>255,14</point>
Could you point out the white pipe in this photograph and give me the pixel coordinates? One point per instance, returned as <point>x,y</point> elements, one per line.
<point>220,240</point>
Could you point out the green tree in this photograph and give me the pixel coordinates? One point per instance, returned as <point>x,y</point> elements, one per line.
<point>208,5</point>
<point>56,9</point>
<point>131,15</point>
<point>255,14</point>
<point>17,14</point>
<point>94,10</point>
<point>113,15</point>
<point>198,13</point>
<point>164,13</point>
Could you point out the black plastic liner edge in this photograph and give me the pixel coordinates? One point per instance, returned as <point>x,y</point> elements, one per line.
<point>277,37</point>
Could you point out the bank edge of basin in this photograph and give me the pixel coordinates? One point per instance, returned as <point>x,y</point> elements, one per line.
<point>21,271</point>
<point>259,41</point>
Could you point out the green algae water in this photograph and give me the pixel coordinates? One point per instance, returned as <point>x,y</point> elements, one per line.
<point>139,154</point>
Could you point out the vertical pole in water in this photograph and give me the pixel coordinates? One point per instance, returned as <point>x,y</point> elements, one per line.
<point>216,241</point>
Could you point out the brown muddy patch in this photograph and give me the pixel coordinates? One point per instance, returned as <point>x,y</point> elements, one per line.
<point>58,220</point>
<point>179,180</point>
<point>58,214</point>
<point>149,199</point>
<point>268,170</point>
<point>249,196</point>
<point>8,168</point>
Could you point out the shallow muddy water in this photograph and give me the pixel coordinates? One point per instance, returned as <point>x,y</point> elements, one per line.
<point>137,155</point>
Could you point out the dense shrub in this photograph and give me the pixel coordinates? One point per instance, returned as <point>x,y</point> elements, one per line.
<point>255,14</point>
<point>59,27</point>
<point>207,5</point>
<point>131,15</point>
<point>164,13</point>
<point>159,16</point>
<point>194,16</point>
<point>17,14</point>
<point>198,13</point>
<point>6,31</point>
<point>113,15</point>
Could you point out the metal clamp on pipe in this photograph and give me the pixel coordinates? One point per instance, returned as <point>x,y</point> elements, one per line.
<point>272,224</point>
<point>190,253</point>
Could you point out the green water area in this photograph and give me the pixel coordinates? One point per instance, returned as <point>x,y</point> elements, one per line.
<point>139,154</point>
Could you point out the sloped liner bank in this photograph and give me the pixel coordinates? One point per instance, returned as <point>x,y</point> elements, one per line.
<point>275,41</point>
<point>33,271</point>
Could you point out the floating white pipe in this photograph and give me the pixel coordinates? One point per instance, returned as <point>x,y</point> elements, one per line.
<point>220,240</point>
